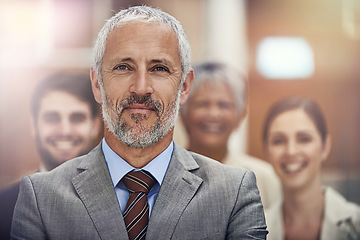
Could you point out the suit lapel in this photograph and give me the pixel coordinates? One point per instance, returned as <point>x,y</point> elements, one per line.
<point>178,188</point>
<point>95,188</point>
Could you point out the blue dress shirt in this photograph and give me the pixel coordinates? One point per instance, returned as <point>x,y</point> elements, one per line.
<point>118,168</point>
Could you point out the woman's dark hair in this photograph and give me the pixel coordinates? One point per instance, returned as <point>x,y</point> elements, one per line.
<point>309,106</point>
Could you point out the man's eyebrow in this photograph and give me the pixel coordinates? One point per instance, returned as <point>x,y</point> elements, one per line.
<point>79,112</point>
<point>127,59</point>
<point>50,112</point>
<point>165,61</point>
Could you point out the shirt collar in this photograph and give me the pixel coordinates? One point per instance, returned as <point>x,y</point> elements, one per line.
<point>118,167</point>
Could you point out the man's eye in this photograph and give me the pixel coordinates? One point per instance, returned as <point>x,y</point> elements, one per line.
<point>122,67</point>
<point>160,68</point>
<point>51,118</point>
<point>77,117</point>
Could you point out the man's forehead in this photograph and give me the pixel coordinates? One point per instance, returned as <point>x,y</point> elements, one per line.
<point>129,31</point>
<point>63,100</point>
<point>147,24</point>
<point>137,40</point>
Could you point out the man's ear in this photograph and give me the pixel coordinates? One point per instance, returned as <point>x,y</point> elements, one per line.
<point>95,85</point>
<point>189,79</point>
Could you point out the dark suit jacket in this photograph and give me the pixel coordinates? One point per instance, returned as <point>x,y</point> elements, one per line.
<point>8,197</point>
<point>199,199</point>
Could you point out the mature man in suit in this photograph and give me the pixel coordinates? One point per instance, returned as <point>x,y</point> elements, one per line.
<point>141,74</point>
<point>65,124</point>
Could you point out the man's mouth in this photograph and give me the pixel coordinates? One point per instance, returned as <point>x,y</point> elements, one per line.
<point>64,144</point>
<point>140,107</point>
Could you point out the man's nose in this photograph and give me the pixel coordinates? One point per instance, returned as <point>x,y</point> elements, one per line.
<point>141,84</point>
<point>66,127</point>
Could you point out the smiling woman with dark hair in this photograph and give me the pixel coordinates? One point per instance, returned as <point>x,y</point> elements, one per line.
<point>296,142</point>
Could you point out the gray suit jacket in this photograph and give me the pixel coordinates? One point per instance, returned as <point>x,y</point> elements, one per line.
<point>199,199</point>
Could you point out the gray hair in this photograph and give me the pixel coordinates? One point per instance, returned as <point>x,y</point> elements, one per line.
<point>142,14</point>
<point>213,72</point>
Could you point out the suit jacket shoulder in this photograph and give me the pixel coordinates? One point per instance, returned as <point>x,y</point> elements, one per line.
<point>74,201</point>
<point>267,180</point>
<point>201,198</point>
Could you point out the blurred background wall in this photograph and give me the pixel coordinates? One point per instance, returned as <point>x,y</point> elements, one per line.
<point>38,37</point>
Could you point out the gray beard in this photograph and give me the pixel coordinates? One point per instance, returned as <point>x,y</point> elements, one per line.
<point>139,136</point>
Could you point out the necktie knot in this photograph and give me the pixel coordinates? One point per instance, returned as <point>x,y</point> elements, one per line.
<point>139,181</point>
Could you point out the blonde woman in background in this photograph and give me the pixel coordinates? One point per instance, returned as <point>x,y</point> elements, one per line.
<point>297,142</point>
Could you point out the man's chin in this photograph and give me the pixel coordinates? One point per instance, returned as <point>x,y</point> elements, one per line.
<point>59,159</point>
<point>139,121</point>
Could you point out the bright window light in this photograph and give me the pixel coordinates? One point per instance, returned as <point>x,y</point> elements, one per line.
<point>284,58</point>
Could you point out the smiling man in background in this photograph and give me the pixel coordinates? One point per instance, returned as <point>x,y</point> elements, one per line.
<point>65,124</point>
<point>65,119</point>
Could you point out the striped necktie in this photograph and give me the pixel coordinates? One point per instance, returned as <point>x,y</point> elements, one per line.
<point>136,213</point>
